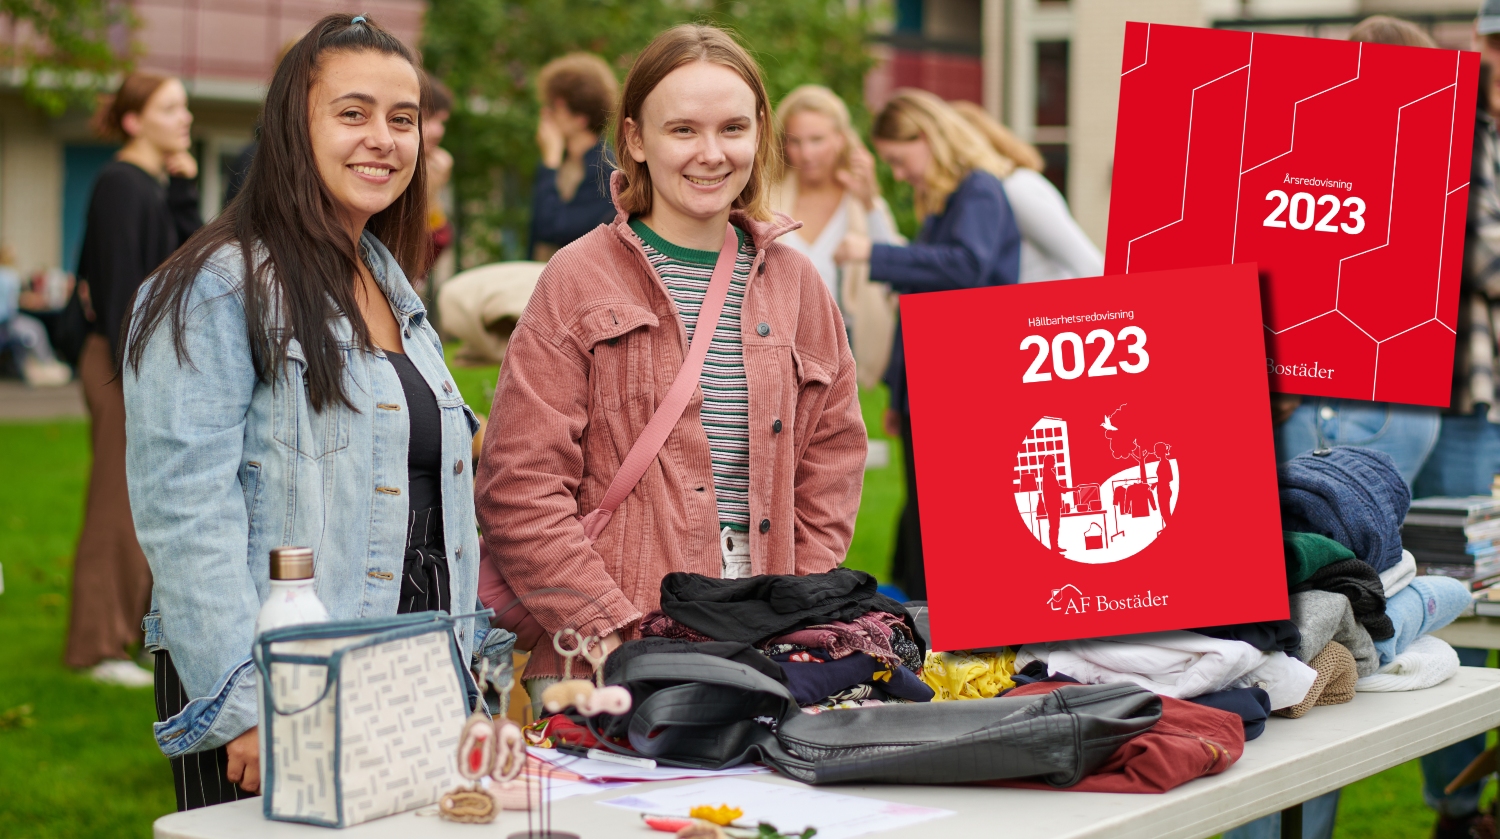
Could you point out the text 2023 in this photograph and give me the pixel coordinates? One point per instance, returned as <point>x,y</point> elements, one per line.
<point>1072,368</point>
<point>1302,212</point>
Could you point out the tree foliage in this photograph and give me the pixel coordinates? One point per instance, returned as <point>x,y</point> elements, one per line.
<point>489,52</point>
<point>67,49</point>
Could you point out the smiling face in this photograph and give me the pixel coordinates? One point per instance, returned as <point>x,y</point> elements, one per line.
<point>697,137</point>
<point>909,159</point>
<point>165,122</point>
<point>363,125</point>
<point>813,146</point>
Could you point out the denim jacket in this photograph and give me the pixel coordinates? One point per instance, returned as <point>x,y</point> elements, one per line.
<point>223,467</point>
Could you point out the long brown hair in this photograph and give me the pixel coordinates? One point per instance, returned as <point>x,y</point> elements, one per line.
<point>300,265</point>
<point>671,49</point>
<point>135,91</point>
<point>1007,144</point>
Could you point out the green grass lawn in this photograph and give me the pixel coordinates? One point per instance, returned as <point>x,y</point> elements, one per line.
<point>77,759</point>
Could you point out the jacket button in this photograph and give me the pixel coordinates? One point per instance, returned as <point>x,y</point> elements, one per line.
<point>447,387</point>
<point>762,268</point>
<point>458,466</point>
<point>763,330</point>
<point>458,553</point>
<point>765,525</point>
<point>776,427</point>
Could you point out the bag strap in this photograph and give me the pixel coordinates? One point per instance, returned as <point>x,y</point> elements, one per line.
<point>670,410</point>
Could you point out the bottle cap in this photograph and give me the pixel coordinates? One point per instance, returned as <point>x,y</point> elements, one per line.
<point>291,563</point>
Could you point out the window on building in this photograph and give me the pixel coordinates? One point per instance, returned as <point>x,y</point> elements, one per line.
<point>1051,118</point>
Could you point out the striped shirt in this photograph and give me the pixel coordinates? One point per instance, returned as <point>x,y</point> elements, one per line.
<point>726,393</point>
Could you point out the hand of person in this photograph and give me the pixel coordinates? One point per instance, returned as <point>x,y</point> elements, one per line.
<point>859,180</point>
<point>181,165</point>
<point>854,248</point>
<point>550,140</point>
<point>892,424</point>
<point>439,168</point>
<point>244,761</point>
<point>611,642</point>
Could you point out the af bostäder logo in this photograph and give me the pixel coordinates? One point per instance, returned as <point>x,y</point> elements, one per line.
<point>1092,518</point>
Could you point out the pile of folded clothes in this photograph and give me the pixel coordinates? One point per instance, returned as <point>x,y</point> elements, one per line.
<point>1360,615</point>
<point>836,641</point>
<point>1344,507</point>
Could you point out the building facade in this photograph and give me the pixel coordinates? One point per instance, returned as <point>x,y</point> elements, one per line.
<point>1050,69</point>
<point>224,52</point>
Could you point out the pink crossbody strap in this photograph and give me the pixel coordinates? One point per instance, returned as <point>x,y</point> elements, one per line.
<point>670,410</point>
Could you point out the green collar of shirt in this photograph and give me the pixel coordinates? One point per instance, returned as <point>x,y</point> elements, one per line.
<point>678,252</point>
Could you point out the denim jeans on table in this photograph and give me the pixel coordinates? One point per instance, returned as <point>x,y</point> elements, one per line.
<point>1317,821</point>
<point>1464,462</point>
<point>1407,433</point>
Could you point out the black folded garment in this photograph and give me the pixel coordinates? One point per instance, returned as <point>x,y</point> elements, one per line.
<point>755,609</point>
<point>1361,584</point>
<point>814,675</point>
<point>1251,705</point>
<point>1266,636</point>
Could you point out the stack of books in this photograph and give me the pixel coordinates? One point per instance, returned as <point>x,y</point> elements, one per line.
<point>1455,537</point>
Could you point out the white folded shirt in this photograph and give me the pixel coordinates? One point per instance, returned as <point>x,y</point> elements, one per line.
<point>1177,664</point>
<point>1400,575</point>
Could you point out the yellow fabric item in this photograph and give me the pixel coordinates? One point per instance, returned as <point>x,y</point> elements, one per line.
<point>965,675</point>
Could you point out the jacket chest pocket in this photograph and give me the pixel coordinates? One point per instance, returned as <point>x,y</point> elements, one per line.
<point>621,340</point>
<point>310,433</point>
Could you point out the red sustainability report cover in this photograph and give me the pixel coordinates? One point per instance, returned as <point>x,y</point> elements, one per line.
<point>1341,168</point>
<point>1094,457</point>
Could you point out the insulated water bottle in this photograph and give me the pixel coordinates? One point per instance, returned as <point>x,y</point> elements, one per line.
<point>293,600</point>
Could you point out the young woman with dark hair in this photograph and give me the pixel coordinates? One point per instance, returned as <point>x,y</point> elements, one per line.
<point>143,206</point>
<point>283,387</point>
<point>761,472</point>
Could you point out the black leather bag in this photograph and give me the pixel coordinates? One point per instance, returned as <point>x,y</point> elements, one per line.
<point>1059,738</point>
<point>698,710</point>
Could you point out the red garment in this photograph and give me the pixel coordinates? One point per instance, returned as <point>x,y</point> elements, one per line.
<point>1189,741</point>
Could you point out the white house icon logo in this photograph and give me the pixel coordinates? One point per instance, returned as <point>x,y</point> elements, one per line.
<point>1063,597</point>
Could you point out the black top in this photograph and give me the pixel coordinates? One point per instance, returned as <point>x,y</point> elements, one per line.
<point>558,222</point>
<point>134,223</point>
<point>424,454</point>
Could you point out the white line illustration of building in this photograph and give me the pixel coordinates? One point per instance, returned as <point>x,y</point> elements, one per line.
<point>1048,437</point>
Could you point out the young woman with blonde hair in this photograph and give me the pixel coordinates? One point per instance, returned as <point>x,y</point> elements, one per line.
<point>761,473</point>
<point>968,239</point>
<point>1053,246</point>
<point>830,187</point>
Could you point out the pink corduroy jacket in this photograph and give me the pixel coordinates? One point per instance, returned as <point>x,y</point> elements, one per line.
<point>591,358</point>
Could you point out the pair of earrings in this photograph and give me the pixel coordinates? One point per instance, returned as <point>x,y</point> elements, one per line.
<point>588,698</point>
<point>493,748</point>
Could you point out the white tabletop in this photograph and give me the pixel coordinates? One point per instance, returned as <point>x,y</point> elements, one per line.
<point>1294,760</point>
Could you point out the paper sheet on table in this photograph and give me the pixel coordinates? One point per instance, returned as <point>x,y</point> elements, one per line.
<point>790,808</point>
<point>559,788</point>
<point>601,770</point>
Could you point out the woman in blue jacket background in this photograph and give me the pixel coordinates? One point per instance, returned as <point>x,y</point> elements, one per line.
<point>968,239</point>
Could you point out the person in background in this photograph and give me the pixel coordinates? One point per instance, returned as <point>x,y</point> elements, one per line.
<point>144,206</point>
<point>831,188</point>
<point>23,335</point>
<point>437,105</point>
<point>240,169</point>
<point>321,412</point>
<point>1053,246</point>
<point>570,195</point>
<point>761,473</point>
<point>1466,456</point>
<point>968,239</point>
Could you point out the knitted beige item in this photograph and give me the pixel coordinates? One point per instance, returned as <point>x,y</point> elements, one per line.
<point>1335,682</point>
<point>1340,687</point>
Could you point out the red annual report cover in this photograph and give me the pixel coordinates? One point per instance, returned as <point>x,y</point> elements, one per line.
<point>1341,168</point>
<point>1094,457</point>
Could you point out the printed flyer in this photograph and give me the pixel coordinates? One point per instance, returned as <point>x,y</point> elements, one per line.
<point>1094,457</point>
<point>1340,168</point>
